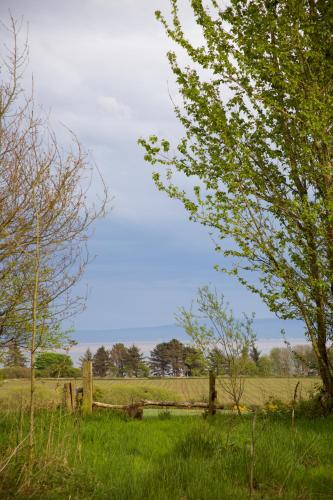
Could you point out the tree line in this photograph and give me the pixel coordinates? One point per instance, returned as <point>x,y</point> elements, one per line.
<point>172,358</point>
<point>176,359</point>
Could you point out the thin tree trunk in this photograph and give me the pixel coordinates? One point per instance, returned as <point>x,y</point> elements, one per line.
<point>33,342</point>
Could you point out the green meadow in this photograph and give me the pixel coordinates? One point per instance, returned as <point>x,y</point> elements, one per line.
<point>164,457</point>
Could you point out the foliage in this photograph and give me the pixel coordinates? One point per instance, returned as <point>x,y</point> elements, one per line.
<point>101,362</point>
<point>176,359</point>
<point>257,109</point>
<point>216,361</point>
<point>264,366</point>
<point>53,364</point>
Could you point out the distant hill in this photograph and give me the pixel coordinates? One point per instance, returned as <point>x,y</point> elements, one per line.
<point>266,329</point>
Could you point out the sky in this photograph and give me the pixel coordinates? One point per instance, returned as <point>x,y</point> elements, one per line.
<point>100,68</point>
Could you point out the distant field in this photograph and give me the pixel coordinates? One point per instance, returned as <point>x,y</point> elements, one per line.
<point>257,390</point>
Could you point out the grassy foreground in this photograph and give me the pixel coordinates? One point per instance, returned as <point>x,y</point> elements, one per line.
<point>104,456</point>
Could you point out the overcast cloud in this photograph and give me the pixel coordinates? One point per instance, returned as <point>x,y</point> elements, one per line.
<point>100,67</point>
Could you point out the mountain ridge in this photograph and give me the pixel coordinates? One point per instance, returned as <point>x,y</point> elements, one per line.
<point>265,328</point>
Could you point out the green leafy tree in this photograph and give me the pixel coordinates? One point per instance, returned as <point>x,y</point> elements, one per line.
<point>194,362</point>
<point>264,366</point>
<point>54,364</point>
<point>257,109</point>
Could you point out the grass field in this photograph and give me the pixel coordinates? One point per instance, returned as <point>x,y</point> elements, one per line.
<point>257,390</point>
<point>165,456</point>
<point>104,456</point>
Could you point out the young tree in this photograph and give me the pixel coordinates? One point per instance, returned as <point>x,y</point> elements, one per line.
<point>44,218</point>
<point>215,327</point>
<point>257,108</point>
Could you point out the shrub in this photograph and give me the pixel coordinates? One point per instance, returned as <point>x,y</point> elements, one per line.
<point>313,406</point>
<point>276,406</point>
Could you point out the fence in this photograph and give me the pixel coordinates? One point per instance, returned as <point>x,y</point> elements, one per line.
<point>83,398</point>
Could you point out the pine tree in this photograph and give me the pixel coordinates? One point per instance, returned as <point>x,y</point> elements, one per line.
<point>88,356</point>
<point>159,360</point>
<point>101,362</point>
<point>14,356</point>
<point>176,357</point>
<point>134,360</point>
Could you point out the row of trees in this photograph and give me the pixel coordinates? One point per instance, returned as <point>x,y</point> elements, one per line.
<point>176,359</point>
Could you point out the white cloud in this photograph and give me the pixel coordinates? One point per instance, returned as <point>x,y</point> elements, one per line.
<point>111,105</point>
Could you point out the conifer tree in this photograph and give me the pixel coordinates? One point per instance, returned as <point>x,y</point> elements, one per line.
<point>101,362</point>
<point>14,356</point>
<point>87,356</point>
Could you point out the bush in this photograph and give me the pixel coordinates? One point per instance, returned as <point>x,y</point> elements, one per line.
<point>313,406</point>
<point>276,406</point>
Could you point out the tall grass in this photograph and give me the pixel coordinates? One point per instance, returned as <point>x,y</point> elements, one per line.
<point>106,456</point>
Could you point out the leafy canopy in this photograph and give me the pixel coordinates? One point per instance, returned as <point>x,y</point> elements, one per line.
<point>256,107</point>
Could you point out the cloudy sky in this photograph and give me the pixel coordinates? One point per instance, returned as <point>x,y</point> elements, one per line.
<point>100,67</point>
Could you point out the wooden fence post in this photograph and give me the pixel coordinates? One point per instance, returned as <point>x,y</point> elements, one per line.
<point>212,393</point>
<point>87,381</point>
<point>69,402</point>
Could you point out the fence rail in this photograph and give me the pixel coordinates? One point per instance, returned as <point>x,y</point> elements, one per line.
<point>84,398</point>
